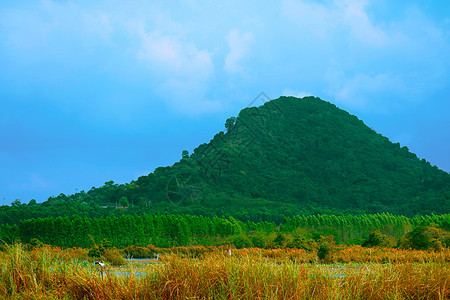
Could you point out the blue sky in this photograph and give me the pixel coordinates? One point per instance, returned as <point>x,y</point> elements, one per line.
<point>92,91</point>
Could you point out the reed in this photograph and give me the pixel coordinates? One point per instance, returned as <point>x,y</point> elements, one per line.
<point>53,273</point>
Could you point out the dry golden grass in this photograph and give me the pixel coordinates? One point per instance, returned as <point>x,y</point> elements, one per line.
<point>52,273</point>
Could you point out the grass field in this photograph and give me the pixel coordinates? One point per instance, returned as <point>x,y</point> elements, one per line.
<point>354,273</point>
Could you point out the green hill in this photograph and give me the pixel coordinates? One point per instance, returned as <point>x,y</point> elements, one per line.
<point>286,157</point>
<point>304,154</point>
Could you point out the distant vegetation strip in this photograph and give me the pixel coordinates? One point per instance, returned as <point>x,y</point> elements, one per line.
<point>185,230</point>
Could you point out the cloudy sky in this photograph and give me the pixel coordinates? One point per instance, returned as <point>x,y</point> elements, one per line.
<point>92,91</point>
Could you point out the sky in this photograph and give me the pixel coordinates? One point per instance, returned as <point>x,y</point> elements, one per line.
<point>92,91</point>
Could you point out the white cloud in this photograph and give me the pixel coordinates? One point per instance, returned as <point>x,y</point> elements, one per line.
<point>172,55</point>
<point>148,34</point>
<point>310,16</point>
<point>32,29</point>
<point>185,70</point>
<point>377,92</point>
<point>323,20</point>
<point>377,66</point>
<point>189,96</point>
<point>408,49</point>
<point>295,93</point>
<point>239,44</point>
<point>355,17</point>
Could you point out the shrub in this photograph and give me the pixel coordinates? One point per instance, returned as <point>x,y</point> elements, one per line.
<point>96,251</point>
<point>299,242</point>
<point>326,248</point>
<point>114,257</point>
<point>258,241</point>
<point>36,243</point>
<point>241,241</point>
<point>424,238</point>
<point>280,240</point>
<point>376,239</point>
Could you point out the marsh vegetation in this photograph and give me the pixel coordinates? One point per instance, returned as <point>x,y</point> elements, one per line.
<point>211,273</point>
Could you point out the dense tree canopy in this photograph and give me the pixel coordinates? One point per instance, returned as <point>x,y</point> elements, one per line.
<point>290,156</point>
<point>420,232</point>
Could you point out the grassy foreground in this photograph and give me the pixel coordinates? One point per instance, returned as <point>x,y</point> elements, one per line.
<point>52,273</point>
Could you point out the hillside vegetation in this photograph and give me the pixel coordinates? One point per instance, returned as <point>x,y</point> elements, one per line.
<point>289,156</point>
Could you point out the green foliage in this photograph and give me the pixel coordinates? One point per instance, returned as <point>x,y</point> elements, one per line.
<point>106,244</point>
<point>229,123</point>
<point>36,243</point>
<point>123,202</point>
<point>288,157</point>
<point>183,230</point>
<point>376,238</point>
<point>96,251</point>
<point>100,250</point>
<point>280,241</point>
<point>241,241</point>
<point>326,249</point>
<point>258,239</point>
<point>425,237</point>
<point>16,203</point>
<point>285,174</point>
<point>300,242</point>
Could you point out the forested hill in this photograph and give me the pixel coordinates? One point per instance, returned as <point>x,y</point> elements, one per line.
<point>285,157</point>
<point>306,153</point>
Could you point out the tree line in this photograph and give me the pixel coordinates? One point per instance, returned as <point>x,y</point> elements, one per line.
<point>185,230</point>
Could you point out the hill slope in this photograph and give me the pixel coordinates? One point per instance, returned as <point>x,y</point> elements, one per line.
<point>303,153</point>
<point>286,157</point>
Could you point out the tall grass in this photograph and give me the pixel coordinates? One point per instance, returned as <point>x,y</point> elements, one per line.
<point>52,273</point>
